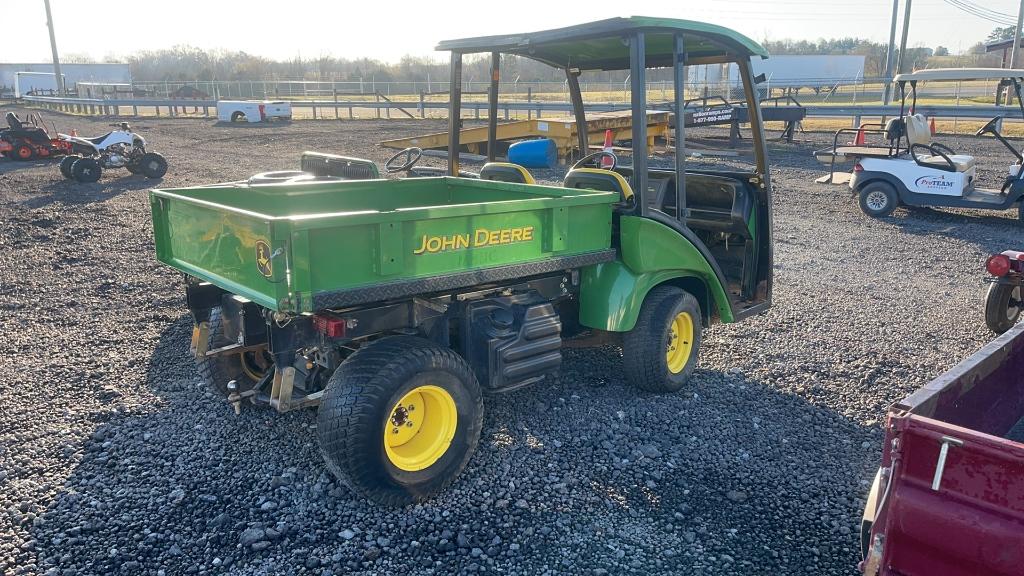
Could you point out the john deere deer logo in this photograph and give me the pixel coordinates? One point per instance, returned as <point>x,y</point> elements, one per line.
<point>263,262</point>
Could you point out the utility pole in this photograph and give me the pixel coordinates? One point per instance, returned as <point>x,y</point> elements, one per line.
<point>903,41</point>
<point>1016,36</point>
<point>58,77</point>
<point>890,52</point>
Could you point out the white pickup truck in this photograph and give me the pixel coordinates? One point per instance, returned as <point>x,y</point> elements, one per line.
<point>252,110</point>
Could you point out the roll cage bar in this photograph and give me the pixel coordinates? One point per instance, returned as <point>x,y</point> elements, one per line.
<point>713,44</point>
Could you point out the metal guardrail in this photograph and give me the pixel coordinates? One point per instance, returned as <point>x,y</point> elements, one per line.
<point>114,106</point>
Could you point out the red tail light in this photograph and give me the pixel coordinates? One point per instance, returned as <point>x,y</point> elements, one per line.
<point>330,326</point>
<point>998,265</point>
<point>858,168</point>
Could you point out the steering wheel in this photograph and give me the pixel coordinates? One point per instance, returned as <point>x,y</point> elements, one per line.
<point>990,126</point>
<point>411,155</point>
<point>595,160</point>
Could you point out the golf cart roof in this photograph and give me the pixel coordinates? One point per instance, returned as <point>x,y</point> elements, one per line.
<point>955,74</point>
<point>599,46</point>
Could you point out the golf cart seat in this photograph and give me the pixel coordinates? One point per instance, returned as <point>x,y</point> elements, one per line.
<point>506,172</point>
<point>961,162</point>
<point>598,179</point>
<point>919,135</point>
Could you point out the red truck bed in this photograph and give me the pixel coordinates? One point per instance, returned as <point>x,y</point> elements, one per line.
<point>949,500</point>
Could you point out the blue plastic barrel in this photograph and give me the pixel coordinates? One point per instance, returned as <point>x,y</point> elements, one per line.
<point>540,153</point>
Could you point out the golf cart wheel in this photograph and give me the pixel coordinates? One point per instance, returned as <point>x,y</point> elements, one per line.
<point>246,369</point>
<point>399,420</point>
<point>660,352</point>
<point>86,170</point>
<point>23,152</point>
<point>878,199</point>
<point>152,165</point>
<point>66,163</point>
<point>1002,307</point>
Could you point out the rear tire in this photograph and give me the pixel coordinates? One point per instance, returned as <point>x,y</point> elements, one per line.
<point>65,165</point>
<point>23,152</point>
<point>660,352</point>
<point>153,165</point>
<point>878,199</point>
<point>245,369</point>
<point>238,117</point>
<point>380,449</point>
<point>86,170</point>
<point>1002,306</point>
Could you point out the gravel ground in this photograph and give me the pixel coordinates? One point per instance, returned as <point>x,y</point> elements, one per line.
<point>114,458</point>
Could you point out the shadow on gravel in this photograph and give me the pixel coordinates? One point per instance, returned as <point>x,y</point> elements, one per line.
<point>70,192</point>
<point>990,231</point>
<point>7,165</point>
<point>728,477</point>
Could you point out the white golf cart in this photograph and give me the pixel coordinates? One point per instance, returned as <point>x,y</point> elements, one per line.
<point>907,168</point>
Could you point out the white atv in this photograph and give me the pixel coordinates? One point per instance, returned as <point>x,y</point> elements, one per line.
<point>120,148</point>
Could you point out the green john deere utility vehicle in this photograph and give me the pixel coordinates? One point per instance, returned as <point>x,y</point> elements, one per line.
<point>396,305</point>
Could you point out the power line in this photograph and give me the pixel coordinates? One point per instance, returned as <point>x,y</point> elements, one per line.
<point>983,13</point>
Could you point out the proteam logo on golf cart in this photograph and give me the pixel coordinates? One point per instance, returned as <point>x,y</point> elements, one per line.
<point>478,239</point>
<point>934,182</point>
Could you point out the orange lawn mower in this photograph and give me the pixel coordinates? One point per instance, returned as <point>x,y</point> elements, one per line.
<point>29,139</point>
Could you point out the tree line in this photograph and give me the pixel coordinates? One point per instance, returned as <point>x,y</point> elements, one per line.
<point>189,63</point>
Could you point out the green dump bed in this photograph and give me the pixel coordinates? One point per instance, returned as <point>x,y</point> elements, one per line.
<point>310,246</point>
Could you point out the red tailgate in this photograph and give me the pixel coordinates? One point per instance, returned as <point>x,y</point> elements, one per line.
<point>973,523</point>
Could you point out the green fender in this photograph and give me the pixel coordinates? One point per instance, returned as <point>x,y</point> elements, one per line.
<point>651,254</point>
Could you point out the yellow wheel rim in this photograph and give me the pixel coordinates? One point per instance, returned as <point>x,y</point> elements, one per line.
<point>680,342</point>
<point>420,427</point>
<point>252,367</point>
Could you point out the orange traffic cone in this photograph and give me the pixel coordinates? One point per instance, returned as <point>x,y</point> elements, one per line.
<point>931,126</point>
<point>606,162</point>
<point>860,140</point>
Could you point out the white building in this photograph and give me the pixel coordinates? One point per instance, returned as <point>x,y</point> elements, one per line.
<point>73,74</point>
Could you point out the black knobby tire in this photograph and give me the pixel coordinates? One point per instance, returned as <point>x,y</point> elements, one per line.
<point>878,199</point>
<point>644,347</point>
<point>153,165</point>
<point>357,410</point>
<point>1002,306</point>
<point>217,371</point>
<point>65,165</point>
<point>86,170</point>
<point>133,168</point>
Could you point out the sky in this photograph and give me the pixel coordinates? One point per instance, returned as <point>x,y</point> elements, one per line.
<point>392,29</point>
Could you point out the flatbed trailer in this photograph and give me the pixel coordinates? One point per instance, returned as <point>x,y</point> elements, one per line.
<point>561,129</point>
<point>949,496</point>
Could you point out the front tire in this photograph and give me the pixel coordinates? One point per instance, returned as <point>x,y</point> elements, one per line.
<point>878,199</point>
<point>65,165</point>
<point>660,352</point>
<point>86,170</point>
<point>1003,305</point>
<point>399,420</point>
<point>153,165</point>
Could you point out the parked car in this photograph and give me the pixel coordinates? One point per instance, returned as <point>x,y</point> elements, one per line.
<point>949,497</point>
<point>253,111</point>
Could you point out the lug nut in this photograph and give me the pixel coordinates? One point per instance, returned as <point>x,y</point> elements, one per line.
<point>395,431</point>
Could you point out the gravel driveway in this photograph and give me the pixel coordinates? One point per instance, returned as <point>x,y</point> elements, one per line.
<point>114,458</point>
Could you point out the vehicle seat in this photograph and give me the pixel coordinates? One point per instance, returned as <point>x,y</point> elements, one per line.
<point>99,139</point>
<point>918,131</point>
<point>962,162</point>
<point>13,121</point>
<point>598,179</point>
<point>718,204</point>
<point>506,172</point>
